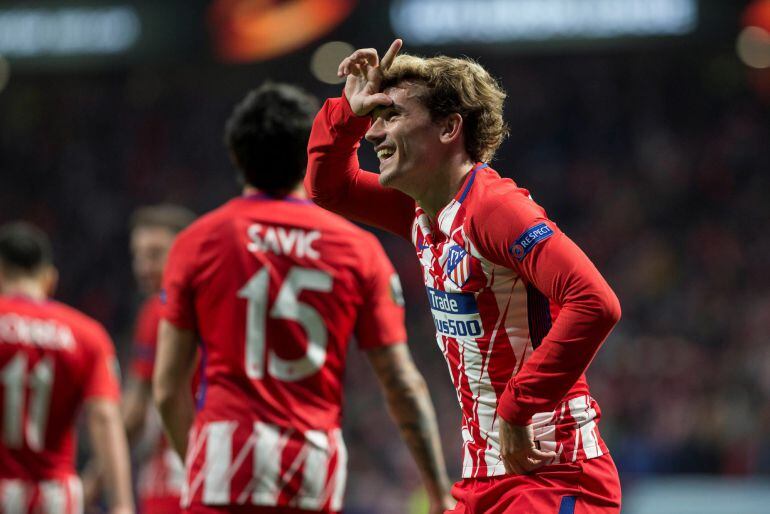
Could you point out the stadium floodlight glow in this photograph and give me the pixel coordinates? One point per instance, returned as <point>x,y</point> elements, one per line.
<point>68,31</point>
<point>499,21</point>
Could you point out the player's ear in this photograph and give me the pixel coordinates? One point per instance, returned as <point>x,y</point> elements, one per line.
<point>451,128</point>
<point>50,280</point>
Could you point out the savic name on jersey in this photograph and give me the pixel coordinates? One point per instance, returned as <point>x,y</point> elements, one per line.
<point>283,241</point>
<point>455,314</point>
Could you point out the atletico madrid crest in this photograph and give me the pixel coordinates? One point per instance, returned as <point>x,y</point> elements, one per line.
<point>458,265</point>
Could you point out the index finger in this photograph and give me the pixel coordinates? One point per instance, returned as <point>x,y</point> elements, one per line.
<point>391,54</point>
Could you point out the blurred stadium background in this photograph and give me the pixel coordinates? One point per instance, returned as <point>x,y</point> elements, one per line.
<point>642,126</point>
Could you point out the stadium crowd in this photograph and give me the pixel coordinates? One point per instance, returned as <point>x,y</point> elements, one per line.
<point>677,149</point>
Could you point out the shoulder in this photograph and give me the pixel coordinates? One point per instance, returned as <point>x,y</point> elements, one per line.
<point>86,329</point>
<point>204,226</point>
<point>357,237</point>
<point>495,196</point>
<point>498,207</point>
<point>500,215</point>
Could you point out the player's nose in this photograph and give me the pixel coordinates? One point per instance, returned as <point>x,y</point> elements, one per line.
<point>376,133</point>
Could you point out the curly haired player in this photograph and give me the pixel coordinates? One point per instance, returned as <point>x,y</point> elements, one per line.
<point>519,309</point>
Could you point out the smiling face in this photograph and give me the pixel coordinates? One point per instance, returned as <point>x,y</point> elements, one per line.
<point>408,143</point>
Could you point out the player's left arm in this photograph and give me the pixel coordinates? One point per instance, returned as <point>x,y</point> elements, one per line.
<point>174,368</point>
<point>409,404</point>
<point>381,333</point>
<point>514,232</point>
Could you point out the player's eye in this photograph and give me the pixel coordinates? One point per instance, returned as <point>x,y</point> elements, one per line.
<point>390,114</point>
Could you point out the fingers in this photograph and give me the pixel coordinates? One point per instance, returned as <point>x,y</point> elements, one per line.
<point>376,100</point>
<point>541,455</point>
<point>361,57</point>
<point>391,54</point>
<point>525,462</point>
<point>368,57</point>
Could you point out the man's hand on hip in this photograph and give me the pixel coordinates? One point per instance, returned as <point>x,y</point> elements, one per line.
<point>518,449</point>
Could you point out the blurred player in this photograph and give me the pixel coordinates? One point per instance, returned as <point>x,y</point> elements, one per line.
<point>53,360</point>
<point>519,310</point>
<point>274,287</point>
<point>161,474</point>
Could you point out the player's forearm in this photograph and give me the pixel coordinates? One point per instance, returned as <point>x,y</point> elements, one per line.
<point>560,360</point>
<point>332,154</point>
<point>174,366</point>
<point>410,406</point>
<point>111,449</point>
<point>177,411</point>
<point>136,401</point>
<point>335,181</point>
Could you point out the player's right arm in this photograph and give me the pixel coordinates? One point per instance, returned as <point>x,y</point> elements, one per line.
<point>410,406</point>
<point>334,178</point>
<point>174,368</point>
<point>108,441</point>
<point>175,355</point>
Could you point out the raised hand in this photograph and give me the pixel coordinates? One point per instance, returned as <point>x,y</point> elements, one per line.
<point>364,71</point>
<point>517,447</point>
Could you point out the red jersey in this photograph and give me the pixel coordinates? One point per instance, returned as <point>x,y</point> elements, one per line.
<point>519,310</point>
<point>161,477</point>
<point>52,360</point>
<point>274,289</point>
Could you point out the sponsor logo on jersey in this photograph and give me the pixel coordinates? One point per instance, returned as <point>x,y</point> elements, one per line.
<point>531,237</point>
<point>458,265</point>
<point>455,314</point>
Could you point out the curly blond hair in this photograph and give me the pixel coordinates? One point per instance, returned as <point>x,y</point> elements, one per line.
<point>457,85</point>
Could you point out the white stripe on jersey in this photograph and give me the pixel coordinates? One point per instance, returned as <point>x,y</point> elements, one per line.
<point>219,447</point>
<point>195,441</point>
<point>311,495</point>
<point>75,488</point>
<point>340,474</point>
<point>545,429</point>
<point>13,496</point>
<point>267,465</point>
<point>584,416</point>
<point>270,472</point>
<point>53,496</point>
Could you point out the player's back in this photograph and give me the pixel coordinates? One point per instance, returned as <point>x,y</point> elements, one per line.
<point>52,358</point>
<point>274,289</point>
<point>277,288</point>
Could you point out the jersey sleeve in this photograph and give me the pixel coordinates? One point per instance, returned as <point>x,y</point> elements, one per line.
<point>336,182</point>
<point>102,375</point>
<point>511,230</point>
<point>178,294</point>
<point>145,341</point>
<point>381,318</point>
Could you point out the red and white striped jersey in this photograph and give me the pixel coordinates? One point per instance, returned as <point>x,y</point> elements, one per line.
<point>52,360</point>
<point>54,496</point>
<point>275,289</point>
<point>519,310</point>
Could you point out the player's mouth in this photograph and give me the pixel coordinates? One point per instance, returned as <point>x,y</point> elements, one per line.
<point>385,154</point>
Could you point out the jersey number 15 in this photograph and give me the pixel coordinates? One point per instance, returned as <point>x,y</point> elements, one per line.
<point>286,307</point>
